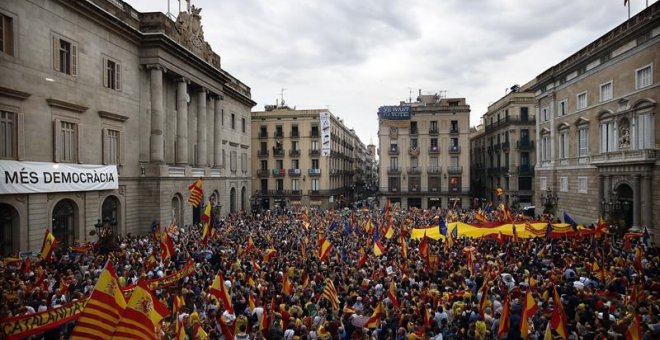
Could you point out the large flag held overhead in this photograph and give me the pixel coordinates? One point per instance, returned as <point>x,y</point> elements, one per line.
<point>103,309</point>
<point>196,193</point>
<point>503,328</point>
<point>48,246</point>
<point>529,309</point>
<point>324,249</point>
<point>142,314</point>
<point>166,246</point>
<point>391,294</point>
<point>378,248</point>
<point>330,293</point>
<point>558,319</point>
<point>219,291</point>
<point>374,320</point>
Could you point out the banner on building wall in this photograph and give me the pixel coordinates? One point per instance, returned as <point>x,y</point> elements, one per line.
<point>326,144</point>
<point>394,112</point>
<point>38,177</point>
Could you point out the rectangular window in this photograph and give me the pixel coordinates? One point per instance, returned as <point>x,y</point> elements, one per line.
<point>244,166</point>
<point>394,184</point>
<point>295,164</point>
<point>264,165</point>
<point>563,107</point>
<point>315,163</point>
<point>434,144</point>
<point>563,145</point>
<point>644,76</point>
<point>279,184</point>
<point>607,137</point>
<point>113,147</point>
<point>545,148</point>
<point>434,126</point>
<point>233,161</point>
<point>582,184</point>
<point>6,34</point>
<point>68,142</point>
<point>295,145</point>
<point>583,142</point>
<point>233,121</point>
<point>414,162</point>
<point>279,164</point>
<point>243,125</point>
<point>606,91</point>
<point>8,135</point>
<point>563,183</point>
<point>111,74</point>
<point>316,184</point>
<point>581,101</point>
<point>315,145</point>
<point>413,143</point>
<point>413,128</point>
<point>223,159</point>
<point>524,113</point>
<point>394,163</point>
<point>295,184</point>
<point>65,56</point>
<point>544,113</point>
<point>543,183</point>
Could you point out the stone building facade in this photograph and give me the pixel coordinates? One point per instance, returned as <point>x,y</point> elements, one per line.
<point>424,153</point>
<point>297,161</point>
<point>597,129</point>
<point>94,82</point>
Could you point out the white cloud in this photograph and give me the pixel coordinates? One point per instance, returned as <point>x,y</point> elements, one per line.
<point>355,56</point>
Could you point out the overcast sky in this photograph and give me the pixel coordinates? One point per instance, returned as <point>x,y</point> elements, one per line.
<point>352,56</point>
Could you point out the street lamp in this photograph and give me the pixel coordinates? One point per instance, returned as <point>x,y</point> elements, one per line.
<point>549,201</point>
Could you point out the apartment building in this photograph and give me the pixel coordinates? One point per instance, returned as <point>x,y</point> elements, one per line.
<point>597,130</point>
<point>114,113</point>
<point>502,149</point>
<point>424,152</point>
<point>301,157</point>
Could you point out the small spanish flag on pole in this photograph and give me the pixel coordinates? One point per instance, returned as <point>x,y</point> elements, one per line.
<point>48,246</point>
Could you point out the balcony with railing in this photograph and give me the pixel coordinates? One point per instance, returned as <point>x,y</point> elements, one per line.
<point>525,170</point>
<point>454,149</point>
<point>413,188</point>
<point>314,134</point>
<point>263,172</point>
<point>295,134</point>
<point>530,120</point>
<point>295,192</point>
<point>414,170</point>
<point>314,152</point>
<point>455,170</point>
<point>644,156</point>
<point>394,189</point>
<point>525,145</point>
<point>294,153</point>
<point>393,150</point>
<point>434,170</point>
<point>393,170</point>
<point>278,134</point>
<point>279,172</point>
<point>262,153</point>
<point>263,134</point>
<point>434,149</point>
<point>454,130</point>
<point>314,172</point>
<point>278,153</point>
<point>294,172</point>
<point>433,131</point>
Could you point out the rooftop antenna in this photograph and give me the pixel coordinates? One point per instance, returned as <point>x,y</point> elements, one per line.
<point>410,95</point>
<point>282,96</point>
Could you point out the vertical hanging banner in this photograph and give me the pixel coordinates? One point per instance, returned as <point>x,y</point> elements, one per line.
<point>324,117</point>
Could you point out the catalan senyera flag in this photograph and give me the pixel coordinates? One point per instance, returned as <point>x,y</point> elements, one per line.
<point>480,216</point>
<point>374,320</point>
<point>391,294</point>
<point>330,293</point>
<point>196,193</point>
<point>324,249</point>
<point>503,329</point>
<point>142,315</point>
<point>378,248</point>
<point>219,291</point>
<point>48,245</point>
<point>287,286</point>
<point>529,308</point>
<point>166,246</point>
<point>103,309</point>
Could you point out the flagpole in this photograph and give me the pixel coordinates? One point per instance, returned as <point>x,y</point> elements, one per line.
<point>628,9</point>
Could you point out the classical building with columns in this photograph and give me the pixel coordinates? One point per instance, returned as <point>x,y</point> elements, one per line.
<point>597,130</point>
<point>108,115</point>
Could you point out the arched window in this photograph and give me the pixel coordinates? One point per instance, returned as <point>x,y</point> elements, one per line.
<point>110,213</point>
<point>177,219</point>
<point>9,224</point>
<point>243,198</point>
<point>64,221</point>
<point>232,200</point>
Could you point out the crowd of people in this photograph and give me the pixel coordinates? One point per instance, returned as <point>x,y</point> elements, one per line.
<point>438,292</point>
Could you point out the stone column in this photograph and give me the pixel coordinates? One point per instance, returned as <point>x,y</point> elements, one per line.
<point>201,128</point>
<point>156,142</point>
<point>647,221</point>
<point>607,187</point>
<point>217,140</point>
<point>601,194</point>
<point>182,122</point>
<point>210,126</point>
<point>637,200</point>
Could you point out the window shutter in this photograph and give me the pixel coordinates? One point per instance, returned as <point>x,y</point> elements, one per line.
<point>74,60</point>
<point>20,136</point>
<point>57,141</point>
<point>104,72</point>
<point>105,145</point>
<point>118,77</point>
<point>78,157</point>
<point>56,54</point>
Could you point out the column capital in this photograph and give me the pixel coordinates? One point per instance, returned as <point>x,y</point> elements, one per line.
<point>156,67</point>
<point>202,89</point>
<point>183,80</point>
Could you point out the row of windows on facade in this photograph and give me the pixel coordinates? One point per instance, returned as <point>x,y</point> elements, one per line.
<point>295,184</point>
<point>295,164</point>
<point>394,144</point>
<point>643,78</point>
<point>582,184</point>
<point>434,183</point>
<point>433,126</point>
<point>504,137</point>
<point>524,115</point>
<point>434,162</point>
<point>640,135</point>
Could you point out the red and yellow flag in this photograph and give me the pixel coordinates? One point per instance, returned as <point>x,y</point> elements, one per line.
<point>374,320</point>
<point>178,303</point>
<point>529,308</point>
<point>287,286</point>
<point>378,248</point>
<point>391,294</point>
<point>48,245</point>
<point>142,315</point>
<point>404,247</point>
<point>330,293</point>
<point>503,329</point>
<point>324,249</point>
<point>558,320</point>
<point>196,193</point>
<point>363,257</point>
<point>103,309</point>
<point>219,291</point>
<point>634,331</point>
<point>249,246</point>
<point>424,249</point>
<point>166,246</point>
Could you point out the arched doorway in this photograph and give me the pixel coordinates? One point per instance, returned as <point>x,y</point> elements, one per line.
<point>624,193</point>
<point>176,210</point>
<point>243,198</point>
<point>197,211</point>
<point>110,213</point>
<point>232,200</point>
<point>64,221</point>
<point>9,224</point>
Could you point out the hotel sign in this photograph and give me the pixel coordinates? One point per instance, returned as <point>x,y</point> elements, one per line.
<point>39,177</point>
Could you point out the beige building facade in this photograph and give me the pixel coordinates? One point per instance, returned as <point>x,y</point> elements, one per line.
<point>597,127</point>
<point>299,161</point>
<point>502,149</point>
<point>94,82</point>
<point>424,153</point>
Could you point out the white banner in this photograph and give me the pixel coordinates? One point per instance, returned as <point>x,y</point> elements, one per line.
<point>36,177</point>
<point>326,144</point>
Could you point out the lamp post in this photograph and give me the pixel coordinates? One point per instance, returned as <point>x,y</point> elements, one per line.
<point>549,201</point>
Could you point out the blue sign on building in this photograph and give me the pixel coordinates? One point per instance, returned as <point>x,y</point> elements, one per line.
<point>394,112</point>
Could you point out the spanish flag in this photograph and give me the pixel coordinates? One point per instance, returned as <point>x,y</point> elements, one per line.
<point>206,216</point>
<point>166,246</point>
<point>287,287</point>
<point>634,331</point>
<point>529,309</point>
<point>103,309</point>
<point>374,320</point>
<point>368,226</point>
<point>558,319</point>
<point>251,304</point>
<point>179,331</point>
<point>390,230</point>
<point>404,247</point>
<point>325,247</point>
<point>142,315</point>
<point>484,297</point>
<point>378,248</point>
<point>503,329</point>
<point>48,246</point>
<point>177,304</point>
<point>363,257</point>
<point>250,246</point>
<point>424,249</point>
<point>219,291</point>
<point>196,193</point>
<point>391,294</point>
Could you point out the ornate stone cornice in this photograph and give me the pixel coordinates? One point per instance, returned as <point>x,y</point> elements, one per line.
<point>66,105</point>
<point>112,116</point>
<point>16,94</point>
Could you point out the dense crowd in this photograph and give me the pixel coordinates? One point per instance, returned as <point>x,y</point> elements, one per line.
<point>437,296</point>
